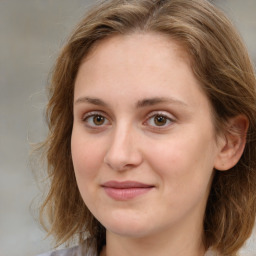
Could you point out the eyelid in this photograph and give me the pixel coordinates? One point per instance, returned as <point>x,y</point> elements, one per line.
<point>92,113</point>
<point>161,113</point>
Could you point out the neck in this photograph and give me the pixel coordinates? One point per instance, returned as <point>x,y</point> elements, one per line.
<point>164,245</point>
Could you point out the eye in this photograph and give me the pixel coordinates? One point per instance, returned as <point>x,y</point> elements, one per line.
<point>95,120</point>
<point>159,120</point>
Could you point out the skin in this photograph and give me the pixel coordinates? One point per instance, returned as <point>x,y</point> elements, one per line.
<point>120,88</point>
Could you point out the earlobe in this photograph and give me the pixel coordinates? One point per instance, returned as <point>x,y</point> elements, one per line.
<point>232,144</point>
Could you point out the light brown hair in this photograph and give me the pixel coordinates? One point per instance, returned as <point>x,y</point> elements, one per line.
<point>221,64</point>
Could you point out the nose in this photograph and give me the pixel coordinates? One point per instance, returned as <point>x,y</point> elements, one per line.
<point>123,151</point>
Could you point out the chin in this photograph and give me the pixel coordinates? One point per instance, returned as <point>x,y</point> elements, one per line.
<point>126,226</point>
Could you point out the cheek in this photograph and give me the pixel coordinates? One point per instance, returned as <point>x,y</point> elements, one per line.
<point>87,157</point>
<point>87,160</point>
<point>183,160</point>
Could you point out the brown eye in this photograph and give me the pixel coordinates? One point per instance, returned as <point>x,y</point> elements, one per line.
<point>98,120</point>
<point>95,120</point>
<point>160,120</point>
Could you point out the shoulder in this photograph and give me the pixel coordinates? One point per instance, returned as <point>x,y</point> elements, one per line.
<point>80,250</point>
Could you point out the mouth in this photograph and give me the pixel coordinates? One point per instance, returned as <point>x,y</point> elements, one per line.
<point>127,190</point>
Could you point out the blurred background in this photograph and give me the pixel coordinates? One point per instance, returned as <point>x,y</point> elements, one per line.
<point>31,35</point>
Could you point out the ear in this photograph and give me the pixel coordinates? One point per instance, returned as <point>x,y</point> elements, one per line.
<point>232,142</point>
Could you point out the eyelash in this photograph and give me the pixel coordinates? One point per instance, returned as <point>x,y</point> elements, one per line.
<point>157,114</point>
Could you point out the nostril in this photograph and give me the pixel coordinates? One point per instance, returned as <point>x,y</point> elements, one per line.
<point>116,164</point>
<point>122,162</point>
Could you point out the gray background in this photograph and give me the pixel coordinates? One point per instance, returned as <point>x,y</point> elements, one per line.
<point>31,34</point>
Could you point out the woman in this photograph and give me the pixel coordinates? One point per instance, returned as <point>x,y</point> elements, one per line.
<point>151,146</point>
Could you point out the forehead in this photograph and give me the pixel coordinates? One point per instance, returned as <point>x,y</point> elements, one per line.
<point>136,42</point>
<point>134,57</point>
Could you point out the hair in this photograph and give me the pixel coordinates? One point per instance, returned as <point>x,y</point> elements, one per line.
<point>222,66</point>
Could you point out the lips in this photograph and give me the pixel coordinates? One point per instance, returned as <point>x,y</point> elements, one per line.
<point>126,190</point>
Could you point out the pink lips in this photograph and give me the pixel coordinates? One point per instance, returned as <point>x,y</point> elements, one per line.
<point>126,190</point>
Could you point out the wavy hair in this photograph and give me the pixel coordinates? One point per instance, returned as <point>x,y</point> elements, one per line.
<point>221,64</point>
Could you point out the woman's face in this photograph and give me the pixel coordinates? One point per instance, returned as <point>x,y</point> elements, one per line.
<point>143,141</point>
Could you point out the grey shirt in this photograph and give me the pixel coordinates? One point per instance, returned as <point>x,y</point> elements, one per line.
<point>80,250</point>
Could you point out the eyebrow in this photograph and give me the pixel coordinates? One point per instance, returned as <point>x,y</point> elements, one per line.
<point>158,100</point>
<point>140,104</point>
<point>94,101</point>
